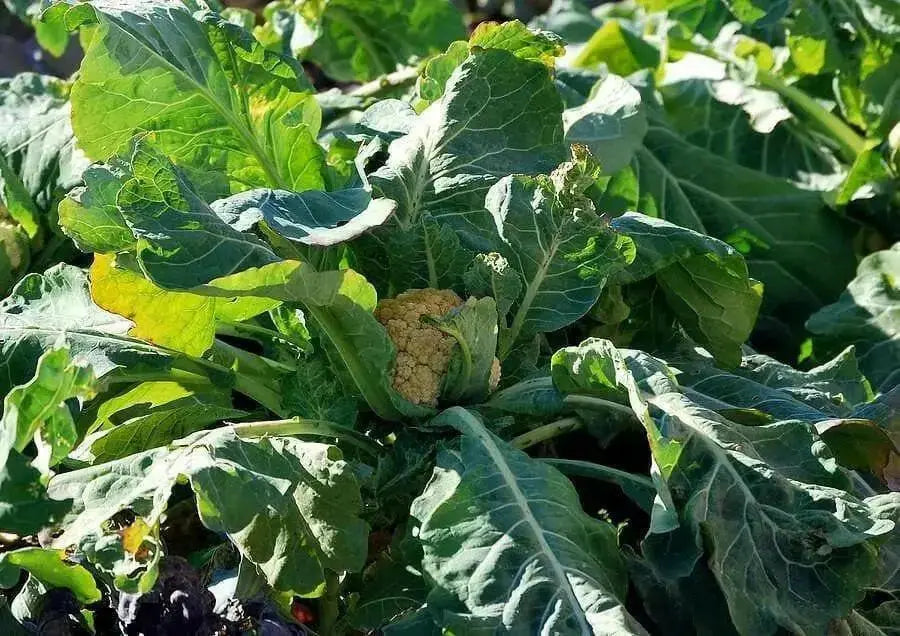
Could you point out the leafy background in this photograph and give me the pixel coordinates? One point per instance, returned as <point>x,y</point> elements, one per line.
<point>679,223</point>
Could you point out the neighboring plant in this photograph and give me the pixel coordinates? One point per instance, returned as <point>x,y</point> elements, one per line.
<point>489,342</point>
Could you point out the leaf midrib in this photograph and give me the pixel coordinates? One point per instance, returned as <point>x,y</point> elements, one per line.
<point>509,478</point>
<point>228,116</point>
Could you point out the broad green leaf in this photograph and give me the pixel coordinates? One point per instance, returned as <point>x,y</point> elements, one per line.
<point>50,568</point>
<point>573,20</point>
<point>512,36</point>
<point>52,309</point>
<point>358,41</point>
<point>712,113</point>
<point>312,217</point>
<point>774,390</point>
<point>867,315</point>
<point>317,392</point>
<point>391,590</point>
<point>25,507</point>
<point>37,411</point>
<point>39,159</point>
<point>756,11</point>
<point>288,506</point>
<point>341,304</point>
<point>862,445</point>
<point>693,16</point>
<point>234,114</point>
<point>90,215</point>
<point>181,241</point>
<point>786,545</point>
<point>672,603</point>
<point>427,255</point>
<point>622,51</point>
<point>805,548</point>
<point>791,243</point>
<point>563,251</point>
<point>612,123</point>
<point>474,327</point>
<point>705,282</point>
<point>149,415</point>
<point>490,275</point>
<point>474,134</point>
<point>505,539</point>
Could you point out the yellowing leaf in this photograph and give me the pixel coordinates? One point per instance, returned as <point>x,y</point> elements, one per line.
<point>178,320</point>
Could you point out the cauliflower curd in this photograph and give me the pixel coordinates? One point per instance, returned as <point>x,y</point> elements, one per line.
<point>423,352</point>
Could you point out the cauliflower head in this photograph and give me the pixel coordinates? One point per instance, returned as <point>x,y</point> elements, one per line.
<point>423,351</point>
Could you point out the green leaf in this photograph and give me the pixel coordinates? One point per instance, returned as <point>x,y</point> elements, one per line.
<point>312,217</point>
<point>491,275</point>
<point>622,51</point>
<point>506,542</point>
<point>767,500</point>
<point>181,241</point>
<point>474,327</point>
<point>24,506</point>
<point>341,303</point>
<point>234,114</point>
<point>776,390</point>
<point>50,568</point>
<point>746,125</point>
<point>52,309</point>
<point>37,411</point>
<point>791,243</point>
<point>39,159</point>
<point>867,315</point>
<point>474,134</point>
<point>390,591</point>
<point>353,41</point>
<point>512,36</point>
<point>705,282</point>
<point>288,506</point>
<point>90,215</point>
<point>861,445</point>
<point>563,251</point>
<point>149,415</point>
<point>611,123</point>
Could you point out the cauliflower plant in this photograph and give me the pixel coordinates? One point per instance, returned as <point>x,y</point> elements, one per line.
<point>423,351</point>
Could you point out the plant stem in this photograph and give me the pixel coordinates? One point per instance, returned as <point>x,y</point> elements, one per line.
<point>385,83</point>
<point>589,402</point>
<point>261,364</point>
<point>546,432</point>
<point>598,471</point>
<point>253,331</point>
<point>300,426</point>
<point>850,143</point>
<point>329,604</point>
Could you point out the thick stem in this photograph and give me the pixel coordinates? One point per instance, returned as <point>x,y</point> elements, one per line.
<point>385,83</point>
<point>252,331</point>
<point>850,143</point>
<point>546,432</point>
<point>329,604</point>
<point>300,426</point>
<point>590,403</point>
<point>598,471</point>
